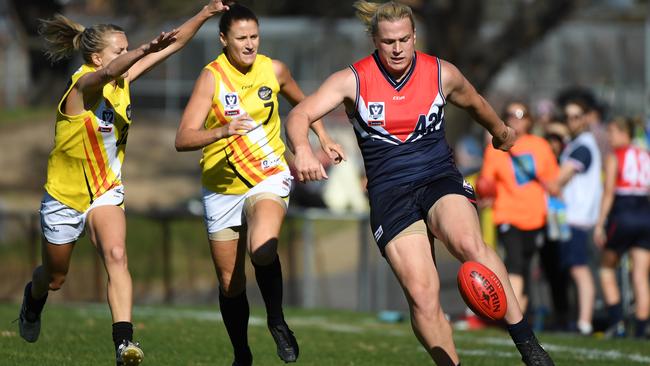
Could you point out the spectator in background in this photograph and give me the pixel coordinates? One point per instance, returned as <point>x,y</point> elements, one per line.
<point>579,183</point>
<point>557,135</point>
<point>594,113</point>
<point>623,225</point>
<point>520,202</point>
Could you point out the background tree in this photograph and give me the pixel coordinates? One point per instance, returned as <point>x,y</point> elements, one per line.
<point>453,29</point>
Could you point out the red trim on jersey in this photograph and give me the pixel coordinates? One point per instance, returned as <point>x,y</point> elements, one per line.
<point>92,171</point>
<point>97,153</point>
<point>223,75</point>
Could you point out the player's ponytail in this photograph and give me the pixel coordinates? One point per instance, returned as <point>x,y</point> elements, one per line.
<point>372,13</point>
<point>63,37</point>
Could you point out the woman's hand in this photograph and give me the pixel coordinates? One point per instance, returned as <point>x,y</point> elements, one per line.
<point>239,125</point>
<point>505,140</point>
<point>308,168</point>
<point>333,150</point>
<point>215,7</point>
<point>161,42</point>
<point>600,237</point>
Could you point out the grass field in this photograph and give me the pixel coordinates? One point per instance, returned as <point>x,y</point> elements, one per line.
<point>79,334</point>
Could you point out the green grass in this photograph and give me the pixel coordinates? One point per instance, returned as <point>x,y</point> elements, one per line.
<point>80,334</point>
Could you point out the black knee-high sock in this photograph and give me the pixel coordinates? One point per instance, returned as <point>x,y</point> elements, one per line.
<point>639,327</point>
<point>122,331</point>
<point>33,306</point>
<point>235,313</point>
<point>615,313</point>
<point>269,280</point>
<point>521,332</point>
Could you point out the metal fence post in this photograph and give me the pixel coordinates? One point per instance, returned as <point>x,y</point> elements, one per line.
<point>308,286</point>
<point>167,261</point>
<point>364,275</point>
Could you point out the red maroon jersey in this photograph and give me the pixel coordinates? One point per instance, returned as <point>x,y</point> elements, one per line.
<point>400,124</point>
<point>633,172</point>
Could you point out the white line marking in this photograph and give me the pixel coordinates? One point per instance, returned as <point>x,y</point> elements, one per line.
<point>325,324</point>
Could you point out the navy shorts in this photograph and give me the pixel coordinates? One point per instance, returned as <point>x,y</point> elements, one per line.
<point>628,224</point>
<point>575,251</point>
<point>392,211</point>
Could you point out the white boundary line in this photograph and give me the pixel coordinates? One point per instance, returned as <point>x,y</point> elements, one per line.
<point>325,324</point>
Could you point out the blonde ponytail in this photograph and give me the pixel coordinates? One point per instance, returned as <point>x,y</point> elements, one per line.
<point>63,37</point>
<point>372,13</point>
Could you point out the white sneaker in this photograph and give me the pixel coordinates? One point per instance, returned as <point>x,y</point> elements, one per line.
<point>129,354</point>
<point>584,328</point>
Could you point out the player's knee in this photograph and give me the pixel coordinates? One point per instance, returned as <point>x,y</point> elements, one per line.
<point>56,281</point>
<point>264,254</point>
<point>117,255</point>
<point>425,300</point>
<point>231,288</point>
<point>471,248</point>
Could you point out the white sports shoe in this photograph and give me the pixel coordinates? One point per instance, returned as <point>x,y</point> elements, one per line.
<point>129,354</point>
<point>584,328</point>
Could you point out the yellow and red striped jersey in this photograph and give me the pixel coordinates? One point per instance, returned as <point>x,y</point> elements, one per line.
<point>88,152</point>
<point>235,164</point>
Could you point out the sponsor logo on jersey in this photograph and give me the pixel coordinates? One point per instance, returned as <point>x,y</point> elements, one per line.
<point>399,97</point>
<point>376,114</point>
<point>264,92</point>
<point>468,187</point>
<point>270,163</point>
<point>105,128</point>
<point>231,104</point>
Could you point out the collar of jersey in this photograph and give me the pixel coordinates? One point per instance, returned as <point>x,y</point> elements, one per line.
<point>236,70</point>
<point>398,85</point>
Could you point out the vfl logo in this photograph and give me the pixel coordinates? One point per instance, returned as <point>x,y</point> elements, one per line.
<point>108,116</point>
<point>376,114</point>
<point>231,100</point>
<point>231,105</point>
<point>264,93</point>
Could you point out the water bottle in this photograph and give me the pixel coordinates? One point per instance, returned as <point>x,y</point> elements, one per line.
<point>552,227</point>
<point>565,230</point>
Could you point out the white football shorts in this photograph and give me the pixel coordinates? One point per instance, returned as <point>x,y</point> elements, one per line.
<point>61,224</point>
<point>223,211</point>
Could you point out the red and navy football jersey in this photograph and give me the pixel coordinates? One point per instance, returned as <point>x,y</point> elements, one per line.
<point>400,124</point>
<point>633,174</point>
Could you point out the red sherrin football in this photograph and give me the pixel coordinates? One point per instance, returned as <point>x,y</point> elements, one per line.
<point>482,290</point>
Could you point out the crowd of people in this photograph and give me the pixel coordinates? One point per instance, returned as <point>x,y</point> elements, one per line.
<point>395,99</point>
<point>574,189</point>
